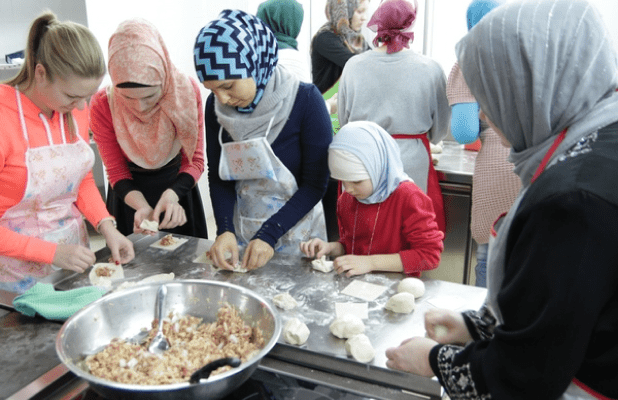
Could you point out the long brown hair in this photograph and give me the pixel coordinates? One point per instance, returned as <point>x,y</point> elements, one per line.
<point>63,49</point>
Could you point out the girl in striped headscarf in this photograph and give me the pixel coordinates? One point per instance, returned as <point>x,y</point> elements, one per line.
<point>545,75</point>
<point>267,139</point>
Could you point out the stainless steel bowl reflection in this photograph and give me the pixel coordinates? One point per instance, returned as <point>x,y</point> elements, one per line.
<point>124,314</point>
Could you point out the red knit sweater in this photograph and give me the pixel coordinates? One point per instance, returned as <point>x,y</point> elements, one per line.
<point>404,223</point>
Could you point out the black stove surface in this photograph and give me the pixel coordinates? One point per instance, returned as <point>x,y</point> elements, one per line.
<point>264,385</point>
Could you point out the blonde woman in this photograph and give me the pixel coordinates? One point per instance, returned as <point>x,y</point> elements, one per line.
<point>46,161</point>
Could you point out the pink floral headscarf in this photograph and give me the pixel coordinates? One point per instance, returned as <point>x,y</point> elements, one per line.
<point>393,21</point>
<point>138,54</point>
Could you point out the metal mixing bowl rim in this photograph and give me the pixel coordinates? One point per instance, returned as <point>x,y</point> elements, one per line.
<point>69,363</point>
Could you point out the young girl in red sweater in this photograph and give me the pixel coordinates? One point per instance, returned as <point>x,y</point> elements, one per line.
<point>386,222</point>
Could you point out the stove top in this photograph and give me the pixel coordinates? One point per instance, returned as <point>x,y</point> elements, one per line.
<point>265,385</point>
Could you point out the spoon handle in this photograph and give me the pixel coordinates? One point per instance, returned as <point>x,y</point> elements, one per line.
<point>161,293</point>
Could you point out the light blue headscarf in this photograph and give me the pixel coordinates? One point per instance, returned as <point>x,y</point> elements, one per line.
<point>477,10</point>
<point>378,152</point>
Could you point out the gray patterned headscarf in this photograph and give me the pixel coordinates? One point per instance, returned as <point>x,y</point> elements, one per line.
<point>537,67</point>
<point>339,14</point>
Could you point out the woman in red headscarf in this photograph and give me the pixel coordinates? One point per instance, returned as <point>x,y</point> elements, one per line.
<point>402,91</point>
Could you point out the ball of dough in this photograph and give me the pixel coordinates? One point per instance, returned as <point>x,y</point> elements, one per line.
<point>412,285</point>
<point>295,332</point>
<point>360,348</point>
<point>285,301</point>
<point>347,326</point>
<point>401,303</point>
<point>322,265</point>
<point>440,331</point>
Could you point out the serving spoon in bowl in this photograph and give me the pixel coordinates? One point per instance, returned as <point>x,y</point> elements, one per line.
<point>159,343</point>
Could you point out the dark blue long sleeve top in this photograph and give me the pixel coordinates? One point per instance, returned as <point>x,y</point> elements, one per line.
<point>302,146</point>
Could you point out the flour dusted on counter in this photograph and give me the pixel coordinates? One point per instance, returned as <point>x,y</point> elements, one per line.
<point>149,279</point>
<point>361,310</point>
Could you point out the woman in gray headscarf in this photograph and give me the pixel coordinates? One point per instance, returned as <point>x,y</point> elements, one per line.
<point>545,75</point>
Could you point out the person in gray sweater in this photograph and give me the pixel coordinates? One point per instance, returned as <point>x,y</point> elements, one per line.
<point>402,91</point>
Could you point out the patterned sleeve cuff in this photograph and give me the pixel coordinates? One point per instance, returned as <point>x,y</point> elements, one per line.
<point>456,378</point>
<point>481,323</point>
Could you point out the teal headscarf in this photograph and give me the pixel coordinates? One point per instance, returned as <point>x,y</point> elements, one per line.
<point>284,17</point>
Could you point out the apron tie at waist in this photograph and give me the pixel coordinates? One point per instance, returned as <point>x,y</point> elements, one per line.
<point>434,191</point>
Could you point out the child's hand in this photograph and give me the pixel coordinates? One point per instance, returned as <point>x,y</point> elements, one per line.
<point>315,248</point>
<point>353,265</point>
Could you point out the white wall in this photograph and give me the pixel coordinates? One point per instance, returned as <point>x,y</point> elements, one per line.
<point>180,21</point>
<point>16,16</point>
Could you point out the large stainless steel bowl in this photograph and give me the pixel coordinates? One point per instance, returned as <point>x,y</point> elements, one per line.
<point>124,314</point>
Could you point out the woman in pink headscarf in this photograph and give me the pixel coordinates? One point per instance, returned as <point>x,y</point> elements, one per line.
<point>149,127</point>
<point>402,91</point>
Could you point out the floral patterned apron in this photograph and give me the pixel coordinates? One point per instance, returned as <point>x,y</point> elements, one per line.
<point>263,185</point>
<point>47,210</point>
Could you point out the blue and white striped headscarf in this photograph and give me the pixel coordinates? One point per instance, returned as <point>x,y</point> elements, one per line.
<point>236,45</point>
<point>378,152</point>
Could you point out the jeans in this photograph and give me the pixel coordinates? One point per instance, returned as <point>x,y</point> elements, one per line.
<point>481,265</point>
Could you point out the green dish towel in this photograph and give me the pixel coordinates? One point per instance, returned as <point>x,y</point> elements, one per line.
<point>44,300</point>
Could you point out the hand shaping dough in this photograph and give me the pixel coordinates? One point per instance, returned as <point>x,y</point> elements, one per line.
<point>103,274</point>
<point>360,348</point>
<point>295,332</point>
<point>322,265</point>
<point>412,285</point>
<point>347,326</point>
<point>285,301</point>
<point>440,331</point>
<point>401,303</point>
<point>149,225</point>
<point>207,259</point>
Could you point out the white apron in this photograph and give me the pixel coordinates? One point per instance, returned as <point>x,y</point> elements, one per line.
<point>263,186</point>
<point>47,210</point>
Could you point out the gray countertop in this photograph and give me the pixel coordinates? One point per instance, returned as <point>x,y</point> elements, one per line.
<point>316,293</point>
